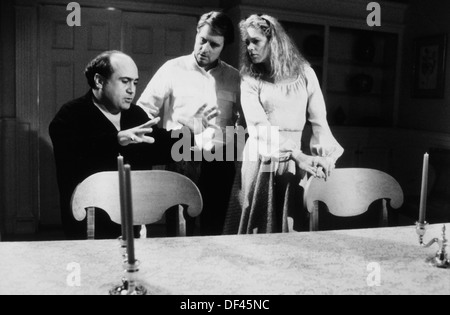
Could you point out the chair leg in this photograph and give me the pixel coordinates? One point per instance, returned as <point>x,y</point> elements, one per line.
<point>91,223</point>
<point>385,218</point>
<point>143,233</point>
<point>181,226</point>
<point>314,218</point>
<point>290,224</point>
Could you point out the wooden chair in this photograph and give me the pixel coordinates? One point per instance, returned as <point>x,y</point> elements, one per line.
<point>350,192</point>
<point>154,192</point>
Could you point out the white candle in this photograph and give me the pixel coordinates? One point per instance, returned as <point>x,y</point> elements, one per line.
<point>129,216</point>
<point>424,191</point>
<point>122,192</point>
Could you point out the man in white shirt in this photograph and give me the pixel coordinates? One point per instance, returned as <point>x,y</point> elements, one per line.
<point>179,89</point>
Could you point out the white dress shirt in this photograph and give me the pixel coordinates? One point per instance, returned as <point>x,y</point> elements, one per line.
<point>181,87</point>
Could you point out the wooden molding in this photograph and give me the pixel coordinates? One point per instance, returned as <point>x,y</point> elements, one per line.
<point>27,122</point>
<point>323,18</point>
<point>338,10</point>
<point>132,6</point>
<point>18,190</point>
<point>8,196</point>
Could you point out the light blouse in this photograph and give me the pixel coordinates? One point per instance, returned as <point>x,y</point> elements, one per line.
<point>276,115</point>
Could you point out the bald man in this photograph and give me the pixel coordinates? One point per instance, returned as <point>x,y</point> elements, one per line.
<point>89,133</point>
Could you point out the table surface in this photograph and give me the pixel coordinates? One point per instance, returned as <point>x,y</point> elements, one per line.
<point>330,262</point>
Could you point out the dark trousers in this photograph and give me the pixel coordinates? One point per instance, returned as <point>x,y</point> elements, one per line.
<point>215,184</point>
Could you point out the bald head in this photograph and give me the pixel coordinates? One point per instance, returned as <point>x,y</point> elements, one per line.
<point>103,65</point>
<point>124,63</point>
<point>113,77</point>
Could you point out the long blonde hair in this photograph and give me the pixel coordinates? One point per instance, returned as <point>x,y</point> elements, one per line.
<point>285,59</point>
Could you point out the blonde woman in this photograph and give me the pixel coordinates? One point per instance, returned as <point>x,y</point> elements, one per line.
<point>280,92</point>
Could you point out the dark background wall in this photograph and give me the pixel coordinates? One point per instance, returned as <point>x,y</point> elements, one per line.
<point>7,61</point>
<point>424,18</point>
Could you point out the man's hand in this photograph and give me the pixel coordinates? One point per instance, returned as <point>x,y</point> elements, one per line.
<point>201,120</point>
<point>138,134</point>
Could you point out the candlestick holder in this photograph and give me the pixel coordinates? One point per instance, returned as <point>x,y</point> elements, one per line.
<point>440,260</point>
<point>124,254</point>
<point>130,284</point>
<point>129,280</point>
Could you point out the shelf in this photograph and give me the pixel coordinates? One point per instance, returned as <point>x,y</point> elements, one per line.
<point>348,59</point>
<point>352,94</point>
<point>360,64</point>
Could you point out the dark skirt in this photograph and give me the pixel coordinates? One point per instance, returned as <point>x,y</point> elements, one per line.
<point>272,198</point>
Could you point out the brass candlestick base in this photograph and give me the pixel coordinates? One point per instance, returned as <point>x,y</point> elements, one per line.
<point>440,260</point>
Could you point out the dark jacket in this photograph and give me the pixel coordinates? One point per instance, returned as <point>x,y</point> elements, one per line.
<point>85,142</point>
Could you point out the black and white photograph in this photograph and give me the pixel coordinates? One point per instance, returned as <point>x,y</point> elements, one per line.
<point>226,155</point>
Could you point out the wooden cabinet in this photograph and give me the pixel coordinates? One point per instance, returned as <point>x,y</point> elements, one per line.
<point>362,77</point>
<point>358,66</point>
<point>310,40</point>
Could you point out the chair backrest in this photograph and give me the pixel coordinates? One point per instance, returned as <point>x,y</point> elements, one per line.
<point>350,192</point>
<point>154,192</point>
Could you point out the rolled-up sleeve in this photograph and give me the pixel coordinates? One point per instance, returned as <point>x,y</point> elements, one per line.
<point>157,91</point>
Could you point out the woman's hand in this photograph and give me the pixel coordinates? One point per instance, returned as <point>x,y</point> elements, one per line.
<point>320,167</point>
<point>325,166</point>
<point>305,162</point>
<point>138,134</point>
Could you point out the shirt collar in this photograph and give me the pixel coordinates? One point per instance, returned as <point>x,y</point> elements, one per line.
<point>193,60</point>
